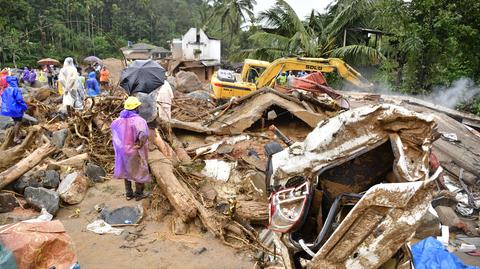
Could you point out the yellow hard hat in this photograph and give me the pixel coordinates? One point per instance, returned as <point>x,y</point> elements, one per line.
<point>131,103</point>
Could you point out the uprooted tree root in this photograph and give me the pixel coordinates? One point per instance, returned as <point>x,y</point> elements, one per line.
<point>231,230</point>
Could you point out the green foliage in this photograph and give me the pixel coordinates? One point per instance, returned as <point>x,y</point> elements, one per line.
<point>33,29</point>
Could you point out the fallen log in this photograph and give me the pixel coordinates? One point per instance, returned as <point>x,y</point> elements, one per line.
<point>182,154</point>
<point>180,197</point>
<point>10,156</point>
<point>161,145</point>
<point>75,161</point>
<point>255,212</point>
<point>8,141</point>
<point>23,166</point>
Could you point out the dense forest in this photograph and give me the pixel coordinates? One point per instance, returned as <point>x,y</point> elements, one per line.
<point>408,46</point>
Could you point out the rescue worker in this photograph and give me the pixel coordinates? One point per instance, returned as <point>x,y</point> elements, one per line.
<point>282,79</point>
<point>130,138</point>
<point>104,77</point>
<point>68,80</point>
<point>93,88</point>
<point>13,105</point>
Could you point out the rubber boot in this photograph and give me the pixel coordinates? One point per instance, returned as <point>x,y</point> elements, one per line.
<point>139,195</point>
<point>128,190</point>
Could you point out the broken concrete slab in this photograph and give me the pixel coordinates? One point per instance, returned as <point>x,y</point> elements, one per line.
<point>42,198</point>
<point>73,188</point>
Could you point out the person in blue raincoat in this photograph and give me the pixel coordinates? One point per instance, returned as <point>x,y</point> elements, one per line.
<point>93,87</point>
<point>13,104</point>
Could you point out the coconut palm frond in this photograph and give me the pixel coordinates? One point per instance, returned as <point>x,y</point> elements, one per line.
<point>359,54</point>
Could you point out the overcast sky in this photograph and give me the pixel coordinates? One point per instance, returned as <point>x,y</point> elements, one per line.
<point>302,7</point>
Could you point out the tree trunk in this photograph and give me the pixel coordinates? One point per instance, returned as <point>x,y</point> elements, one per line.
<point>180,197</point>
<point>23,166</point>
<point>255,212</point>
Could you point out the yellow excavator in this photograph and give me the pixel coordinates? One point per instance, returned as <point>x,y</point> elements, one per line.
<point>258,74</point>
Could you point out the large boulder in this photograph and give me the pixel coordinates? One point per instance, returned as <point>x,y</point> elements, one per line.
<point>173,82</point>
<point>40,198</point>
<point>73,188</point>
<point>188,82</point>
<point>41,94</point>
<point>148,110</point>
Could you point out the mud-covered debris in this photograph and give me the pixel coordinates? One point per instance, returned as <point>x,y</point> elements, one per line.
<point>179,227</point>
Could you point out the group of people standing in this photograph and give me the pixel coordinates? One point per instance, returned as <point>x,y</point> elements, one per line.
<point>129,131</point>
<point>75,87</point>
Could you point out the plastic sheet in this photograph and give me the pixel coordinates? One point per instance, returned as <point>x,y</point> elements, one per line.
<point>430,253</point>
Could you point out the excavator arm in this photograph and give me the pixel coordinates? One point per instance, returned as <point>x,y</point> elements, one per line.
<point>315,65</point>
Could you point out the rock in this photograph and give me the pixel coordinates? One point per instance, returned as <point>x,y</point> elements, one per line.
<point>123,215</point>
<point>25,181</point>
<point>199,251</point>
<point>5,122</point>
<point>41,94</point>
<point>201,95</point>
<point>51,179</point>
<point>29,119</point>
<point>225,149</point>
<point>208,192</point>
<point>188,82</point>
<point>447,216</point>
<point>95,173</point>
<point>257,179</point>
<point>429,225</point>
<point>179,227</point>
<point>148,110</point>
<point>7,202</point>
<point>73,188</point>
<point>59,137</point>
<point>42,198</point>
<point>18,214</point>
<point>173,82</point>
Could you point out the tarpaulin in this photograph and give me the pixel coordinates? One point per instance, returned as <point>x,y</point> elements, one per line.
<point>431,254</point>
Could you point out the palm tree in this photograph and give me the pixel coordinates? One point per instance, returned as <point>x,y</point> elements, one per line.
<point>319,35</point>
<point>233,14</point>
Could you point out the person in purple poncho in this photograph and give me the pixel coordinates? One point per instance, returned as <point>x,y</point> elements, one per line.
<point>130,138</point>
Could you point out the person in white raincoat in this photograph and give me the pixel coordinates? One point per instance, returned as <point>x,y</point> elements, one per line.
<point>164,105</point>
<point>68,79</point>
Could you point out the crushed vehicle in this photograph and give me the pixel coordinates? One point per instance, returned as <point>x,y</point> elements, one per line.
<point>258,74</point>
<point>352,193</point>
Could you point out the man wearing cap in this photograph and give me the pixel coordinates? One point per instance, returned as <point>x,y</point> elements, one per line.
<point>130,138</point>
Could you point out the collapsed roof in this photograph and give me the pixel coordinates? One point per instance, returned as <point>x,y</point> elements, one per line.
<point>244,112</point>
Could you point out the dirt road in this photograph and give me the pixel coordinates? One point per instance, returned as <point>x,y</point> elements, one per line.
<point>156,248</point>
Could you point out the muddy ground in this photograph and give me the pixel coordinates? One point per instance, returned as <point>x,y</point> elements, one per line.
<point>156,248</point>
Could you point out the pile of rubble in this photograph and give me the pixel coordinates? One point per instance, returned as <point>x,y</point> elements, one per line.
<point>368,178</point>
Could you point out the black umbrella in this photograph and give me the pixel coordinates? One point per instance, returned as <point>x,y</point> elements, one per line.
<point>142,76</point>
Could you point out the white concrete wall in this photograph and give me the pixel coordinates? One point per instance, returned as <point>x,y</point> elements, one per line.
<point>210,49</point>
